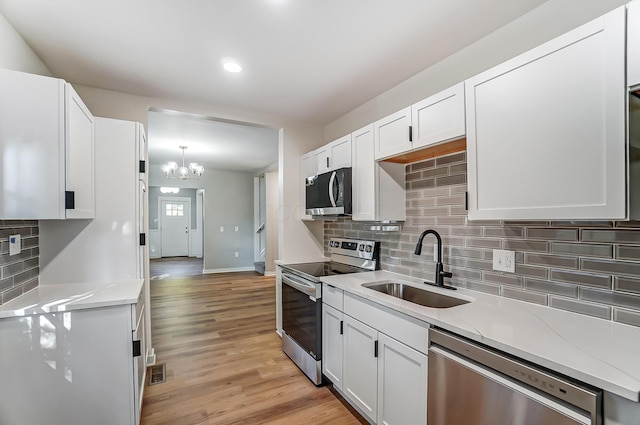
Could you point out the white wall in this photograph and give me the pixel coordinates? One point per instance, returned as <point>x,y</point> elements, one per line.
<point>549,20</point>
<point>272,206</point>
<point>303,241</point>
<point>16,54</point>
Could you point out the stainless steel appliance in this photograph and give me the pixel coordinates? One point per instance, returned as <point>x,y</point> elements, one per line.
<point>469,384</point>
<point>302,299</point>
<point>329,194</point>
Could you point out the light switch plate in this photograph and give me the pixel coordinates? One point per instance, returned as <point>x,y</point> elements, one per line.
<point>14,245</point>
<point>504,261</point>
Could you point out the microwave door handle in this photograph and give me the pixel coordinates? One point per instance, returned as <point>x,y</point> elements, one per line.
<point>332,182</point>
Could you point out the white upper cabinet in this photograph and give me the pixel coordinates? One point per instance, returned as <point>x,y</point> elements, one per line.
<point>546,130</point>
<point>392,134</point>
<point>633,43</point>
<point>322,159</point>
<point>439,118</point>
<point>340,153</point>
<point>378,188</point>
<point>46,141</point>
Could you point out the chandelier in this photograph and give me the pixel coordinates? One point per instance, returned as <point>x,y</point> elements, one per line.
<point>172,171</point>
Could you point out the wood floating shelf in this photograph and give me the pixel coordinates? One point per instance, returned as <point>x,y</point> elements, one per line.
<point>454,146</point>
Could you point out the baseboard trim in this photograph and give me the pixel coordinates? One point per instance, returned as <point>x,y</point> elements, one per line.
<point>269,273</point>
<point>230,270</point>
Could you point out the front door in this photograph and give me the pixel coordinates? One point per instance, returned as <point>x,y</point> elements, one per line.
<point>174,232</point>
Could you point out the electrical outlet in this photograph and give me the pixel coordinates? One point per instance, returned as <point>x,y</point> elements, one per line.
<point>237,254</point>
<point>14,245</point>
<point>236,228</point>
<point>504,261</point>
<point>435,252</point>
<point>221,229</point>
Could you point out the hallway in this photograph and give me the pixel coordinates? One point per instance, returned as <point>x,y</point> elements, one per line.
<point>216,334</point>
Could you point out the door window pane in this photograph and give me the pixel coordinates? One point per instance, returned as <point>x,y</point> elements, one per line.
<point>176,210</point>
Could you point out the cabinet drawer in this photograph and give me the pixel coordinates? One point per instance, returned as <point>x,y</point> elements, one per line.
<point>406,329</point>
<point>332,296</point>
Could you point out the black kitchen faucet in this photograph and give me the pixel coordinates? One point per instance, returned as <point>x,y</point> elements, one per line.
<point>440,273</point>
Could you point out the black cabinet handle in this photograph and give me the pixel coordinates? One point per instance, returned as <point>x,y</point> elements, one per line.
<point>137,348</point>
<point>375,348</point>
<point>411,133</point>
<point>327,162</point>
<point>341,327</point>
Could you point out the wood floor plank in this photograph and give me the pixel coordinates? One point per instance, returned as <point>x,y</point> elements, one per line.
<point>225,364</point>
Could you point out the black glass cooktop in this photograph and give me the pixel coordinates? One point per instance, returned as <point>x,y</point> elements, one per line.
<point>327,268</point>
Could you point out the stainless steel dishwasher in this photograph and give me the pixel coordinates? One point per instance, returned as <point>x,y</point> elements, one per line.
<point>473,385</point>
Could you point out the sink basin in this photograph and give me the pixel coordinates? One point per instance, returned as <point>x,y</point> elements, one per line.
<point>415,295</point>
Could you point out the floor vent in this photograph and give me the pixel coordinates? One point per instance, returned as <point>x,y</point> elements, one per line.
<point>157,374</point>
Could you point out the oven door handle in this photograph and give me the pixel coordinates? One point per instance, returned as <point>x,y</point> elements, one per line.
<point>304,287</point>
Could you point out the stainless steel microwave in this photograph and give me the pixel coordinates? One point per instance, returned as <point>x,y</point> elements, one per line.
<point>329,194</point>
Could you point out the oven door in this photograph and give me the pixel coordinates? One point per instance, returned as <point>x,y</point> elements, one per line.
<point>302,313</point>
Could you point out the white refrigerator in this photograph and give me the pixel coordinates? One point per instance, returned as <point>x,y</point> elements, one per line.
<point>112,246</point>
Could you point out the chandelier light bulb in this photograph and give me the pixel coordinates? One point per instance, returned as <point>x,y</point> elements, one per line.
<point>172,170</point>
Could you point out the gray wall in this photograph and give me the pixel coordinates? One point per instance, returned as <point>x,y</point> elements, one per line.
<point>590,268</point>
<point>18,273</point>
<point>228,202</point>
<point>154,192</point>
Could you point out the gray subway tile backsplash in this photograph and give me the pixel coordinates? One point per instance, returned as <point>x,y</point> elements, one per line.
<point>531,297</point>
<point>597,310</point>
<point>591,268</point>
<point>626,316</point>
<point>18,273</point>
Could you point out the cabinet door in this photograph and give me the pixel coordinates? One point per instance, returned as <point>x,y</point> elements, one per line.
<point>322,160</point>
<point>439,118</point>
<point>363,175</point>
<point>307,168</point>
<point>332,329</point>
<point>392,134</point>
<point>402,383</point>
<point>32,179</point>
<point>546,130</point>
<point>79,147</point>
<point>633,43</point>
<point>340,153</point>
<point>360,367</point>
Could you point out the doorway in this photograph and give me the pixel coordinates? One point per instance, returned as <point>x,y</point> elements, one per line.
<point>175,225</point>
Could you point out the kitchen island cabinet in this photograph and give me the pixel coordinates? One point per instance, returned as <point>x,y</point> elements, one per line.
<point>47,145</point>
<point>71,355</point>
<point>546,130</point>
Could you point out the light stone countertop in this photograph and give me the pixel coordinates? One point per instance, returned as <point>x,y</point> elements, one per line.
<point>601,353</point>
<point>72,296</point>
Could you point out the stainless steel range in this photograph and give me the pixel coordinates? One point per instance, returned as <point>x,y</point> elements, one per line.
<point>302,299</point>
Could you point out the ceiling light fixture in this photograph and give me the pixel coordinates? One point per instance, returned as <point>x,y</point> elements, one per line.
<point>232,67</point>
<point>164,189</point>
<point>172,171</point>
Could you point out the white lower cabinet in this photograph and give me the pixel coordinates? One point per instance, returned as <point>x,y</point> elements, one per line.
<point>383,378</point>
<point>360,373</point>
<point>332,330</point>
<point>74,367</point>
<point>402,383</point>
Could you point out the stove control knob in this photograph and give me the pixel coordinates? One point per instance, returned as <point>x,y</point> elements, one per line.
<point>361,248</point>
<point>369,248</point>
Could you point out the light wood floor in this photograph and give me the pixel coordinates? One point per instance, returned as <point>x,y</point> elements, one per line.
<point>224,361</point>
<point>175,267</point>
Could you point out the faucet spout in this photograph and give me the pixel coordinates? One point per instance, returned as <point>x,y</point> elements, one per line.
<point>440,273</point>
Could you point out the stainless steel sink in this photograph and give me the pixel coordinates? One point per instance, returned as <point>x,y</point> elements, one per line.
<point>415,295</point>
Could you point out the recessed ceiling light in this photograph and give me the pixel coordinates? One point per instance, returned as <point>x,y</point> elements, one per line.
<point>232,67</point>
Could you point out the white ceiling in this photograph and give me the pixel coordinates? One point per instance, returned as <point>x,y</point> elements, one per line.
<point>305,60</point>
<point>308,60</point>
<point>214,144</point>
